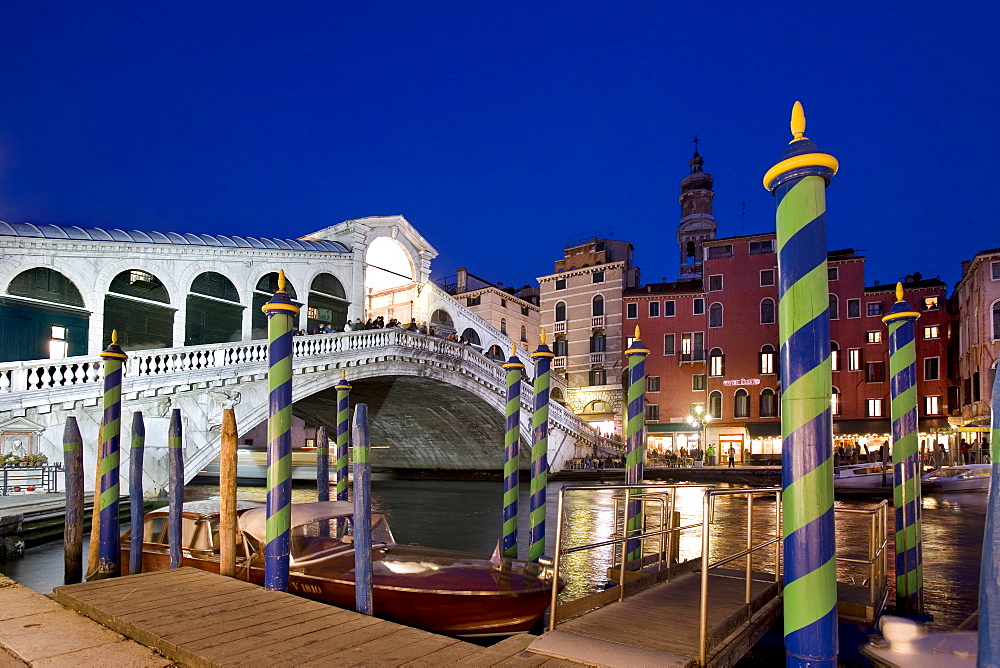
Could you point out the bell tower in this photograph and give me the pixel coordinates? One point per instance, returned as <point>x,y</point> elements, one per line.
<point>697,223</point>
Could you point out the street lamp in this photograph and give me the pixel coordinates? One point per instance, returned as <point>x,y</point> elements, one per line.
<point>700,421</point>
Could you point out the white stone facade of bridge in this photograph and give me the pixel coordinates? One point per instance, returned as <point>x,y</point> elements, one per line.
<point>39,396</point>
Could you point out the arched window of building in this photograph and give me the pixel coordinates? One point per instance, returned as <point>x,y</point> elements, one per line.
<point>598,341</point>
<point>835,401</point>
<point>213,313</point>
<point>327,303</point>
<point>597,306</point>
<point>716,362</point>
<point>834,356</point>
<point>560,311</point>
<point>767,311</point>
<point>768,360</point>
<point>524,333</point>
<point>715,315</point>
<point>834,307</point>
<point>741,404</point>
<point>503,326</point>
<point>715,405</point>
<point>137,306</point>
<point>49,323</point>
<point>262,294</point>
<point>472,336</point>
<point>561,347</point>
<point>768,403</point>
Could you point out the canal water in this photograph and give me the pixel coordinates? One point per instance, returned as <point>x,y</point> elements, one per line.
<point>465,515</point>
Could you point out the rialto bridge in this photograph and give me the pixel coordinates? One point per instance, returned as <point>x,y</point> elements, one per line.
<point>187,308</point>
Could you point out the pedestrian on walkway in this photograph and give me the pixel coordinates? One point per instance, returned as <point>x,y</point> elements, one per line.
<point>710,455</point>
<point>732,456</point>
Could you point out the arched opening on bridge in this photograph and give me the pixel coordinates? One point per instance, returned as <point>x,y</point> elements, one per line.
<point>389,281</point>
<point>472,336</point>
<point>495,353</point>
<point>137,305</point>
<point>42,317</point>
<point>557,395</point>
<point>214,313</point>
<point>327,303</point>
<point>442,322</point>
<point>266,287</point>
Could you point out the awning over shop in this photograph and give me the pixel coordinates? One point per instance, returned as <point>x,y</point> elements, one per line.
<point>860,427</point>
<point>763,429</point>
<point>927,425</point>
<point>670,427</point>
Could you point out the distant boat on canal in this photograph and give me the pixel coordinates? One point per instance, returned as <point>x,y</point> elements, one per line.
<point>443,591</point>
<point>251,465</point>
<point>871,476</point>
<point>961,478</point>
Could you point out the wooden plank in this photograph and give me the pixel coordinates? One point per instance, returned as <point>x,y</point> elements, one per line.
<point>360,629</point>
<point>373,650</point>
<point>444,656</point>
<point>399,655</point>
<point>229,628</point>
<point>505,649</point>
<point>144,599</point>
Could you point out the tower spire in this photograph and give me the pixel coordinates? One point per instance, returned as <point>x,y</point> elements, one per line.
<point>697,223</point>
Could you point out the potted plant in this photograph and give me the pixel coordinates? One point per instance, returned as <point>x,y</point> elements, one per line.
<point>10,459</point>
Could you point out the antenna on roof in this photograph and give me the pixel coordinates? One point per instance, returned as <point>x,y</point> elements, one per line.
<point>743,218</point>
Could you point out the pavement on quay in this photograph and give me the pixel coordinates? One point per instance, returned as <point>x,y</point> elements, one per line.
<point>37,631</point>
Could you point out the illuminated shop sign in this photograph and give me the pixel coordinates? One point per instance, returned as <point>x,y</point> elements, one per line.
<point>741,381</point>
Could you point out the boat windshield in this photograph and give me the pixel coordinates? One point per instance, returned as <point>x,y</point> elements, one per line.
<point>947,472</point>
<point>329,538</point>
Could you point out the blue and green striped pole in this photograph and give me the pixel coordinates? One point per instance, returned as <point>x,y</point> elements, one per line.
<point>512,412</point>
<point>799,182</point>
<point>109,549</point>
<point>539,452</point>
<point>635,435</point>
<point>989,570</point>
<point>175,497</point>
<point>135,493</point>
<point>901,320</point>
<point>281,315</point>
<point>343,433</point>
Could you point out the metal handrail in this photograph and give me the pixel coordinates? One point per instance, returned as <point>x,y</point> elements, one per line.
<point>708,513</point>
<point>877,549</point>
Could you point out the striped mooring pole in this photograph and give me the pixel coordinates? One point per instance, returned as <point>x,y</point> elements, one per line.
<point>799,182</point>
<point>109,549</point>
<point>901,321</point>
<point>989,570</point>
<point>135,493</point>
<point>73,530</point>
<point>539,451</point>
<point>175,497</point>
<point>635,440</point>
<point>512,411</point>
<point>281,314</point>
<point>343,433</point>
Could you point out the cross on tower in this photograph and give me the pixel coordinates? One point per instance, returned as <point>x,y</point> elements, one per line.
<point>695,142</point>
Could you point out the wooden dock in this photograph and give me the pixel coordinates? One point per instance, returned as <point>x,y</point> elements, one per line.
<point>660,626</point>
<point>201,619</point>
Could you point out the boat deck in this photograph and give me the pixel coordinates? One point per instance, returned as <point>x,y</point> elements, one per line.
<point>618,633</point>
<point>201,619</point>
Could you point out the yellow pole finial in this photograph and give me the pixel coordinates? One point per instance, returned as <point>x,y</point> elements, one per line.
<point>899,291</point>
<point>637,331</point>
<point>343,374</point>
<point>114,337</point>
<point>798,123</point>
<point>543,337</point>
<point>513,350</point>
<point>281,280</point>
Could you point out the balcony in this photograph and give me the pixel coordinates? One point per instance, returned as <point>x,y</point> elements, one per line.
<point>558,362</point>
<point>597,321</point>
<point>559,327</point>
<point>692,356</point>
<point>597,358</point>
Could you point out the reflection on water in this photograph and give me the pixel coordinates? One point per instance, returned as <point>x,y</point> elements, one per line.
<point>462,515</point>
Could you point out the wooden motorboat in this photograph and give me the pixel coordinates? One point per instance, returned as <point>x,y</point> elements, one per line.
<point>438,590</point>
<point>961,478</point>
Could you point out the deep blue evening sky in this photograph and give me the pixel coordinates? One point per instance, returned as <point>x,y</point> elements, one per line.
<point>495,126</point>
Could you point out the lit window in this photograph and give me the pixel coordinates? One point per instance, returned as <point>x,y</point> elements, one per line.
<point>854,359</point>
<point>58,347</point>
<point>853,308</point>
<point>875,337</point>
<point>715,283</point>
<point>652,383</point>
<point>874,308</point>
<point>931,303</point>
<point>931,332</point>
<point>834,356</point>
<point>669,307</point>
<point>835,402</point>
<point>654,309</point>
<point>874,407</point>
<point>767,358</point>
<point>767,277</point>
<point>632,311</point>
<point>932,405</point>
<point>717,363</point>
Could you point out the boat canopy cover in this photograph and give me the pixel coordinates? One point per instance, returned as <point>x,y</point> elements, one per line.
<point>254,521</point>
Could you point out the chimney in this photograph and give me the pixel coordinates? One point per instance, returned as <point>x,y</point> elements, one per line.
<point>461,277</point>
